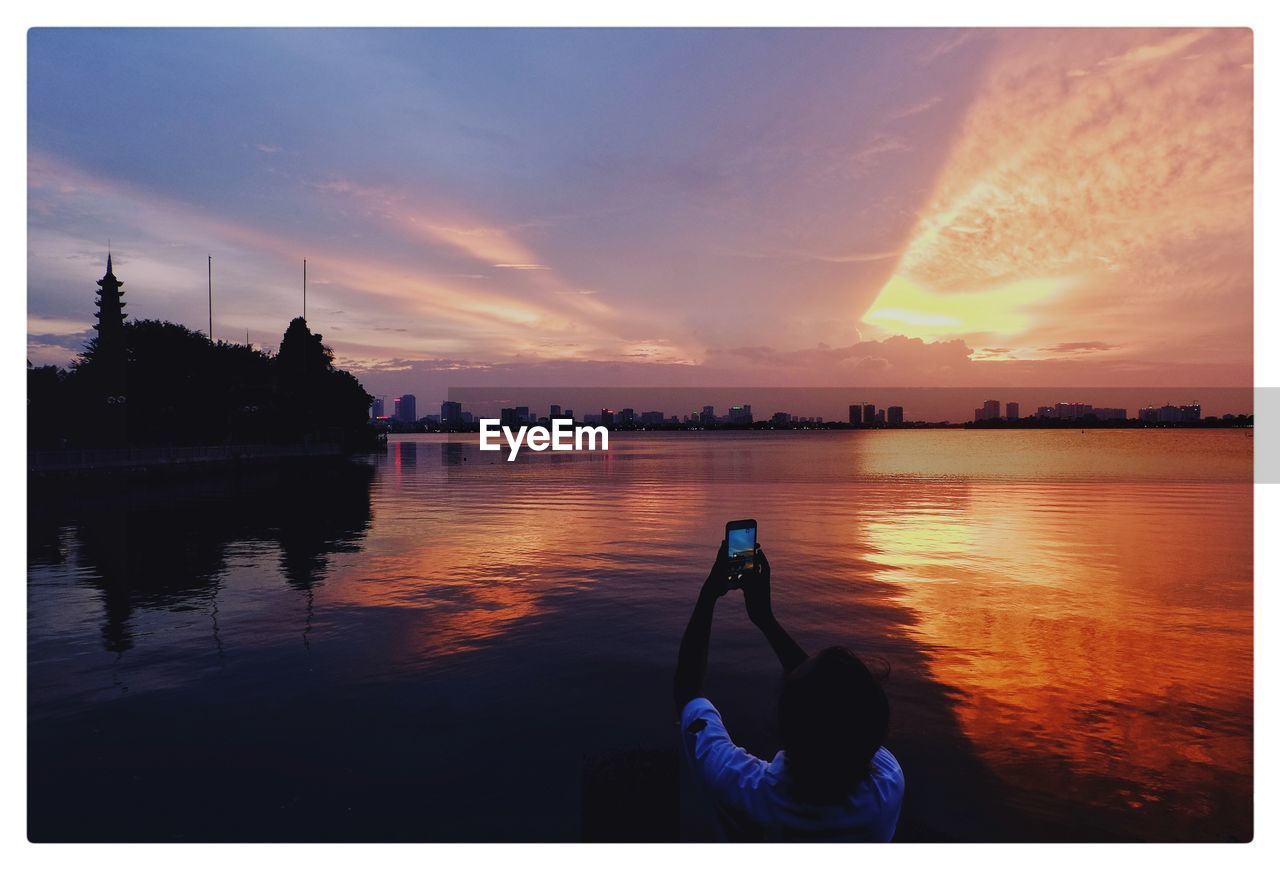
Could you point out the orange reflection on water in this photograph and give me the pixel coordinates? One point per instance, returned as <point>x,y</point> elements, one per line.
<point>479,553</point>
<point>1105,627</point>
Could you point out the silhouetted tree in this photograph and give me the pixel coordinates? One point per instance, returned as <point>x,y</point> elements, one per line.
<point>315,396</point>
<point>177,388</point>
<point>48,412</point>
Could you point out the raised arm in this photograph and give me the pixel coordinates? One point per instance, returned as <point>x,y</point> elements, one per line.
<point>755,592</point>
<point>691,664</point>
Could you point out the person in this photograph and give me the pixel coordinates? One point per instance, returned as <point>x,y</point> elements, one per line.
<point>833,779</point>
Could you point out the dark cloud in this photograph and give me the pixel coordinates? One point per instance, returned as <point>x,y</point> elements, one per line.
<point>1078,347</point>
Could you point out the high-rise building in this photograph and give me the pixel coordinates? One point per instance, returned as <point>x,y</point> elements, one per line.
<point>740,414</point>
<point>652,418</point>
<point>1190,413</point>
<point>522,414</point>
<point>378,409</point>
<point>708,414</point>
<point>1110,413</point>
<point>406,408</point>
<point>1012,411</point>
<point>555,412</point>
<point>991,409</point>
<point>894,417</point>
<point>782,418</point>
<point>606,416</point>
<point>626,417</point>
<point>450,413</point>
<point>855,415</point>
<point>868,414</point>
<point>568,413</point>
<point>507,417</point>
<point>1071,410</point>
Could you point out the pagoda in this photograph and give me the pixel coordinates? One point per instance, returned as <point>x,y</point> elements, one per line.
<point>110,309</point>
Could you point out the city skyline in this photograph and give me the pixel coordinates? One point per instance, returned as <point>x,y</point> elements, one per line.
<point>456,415</point>
<point>904,210</point>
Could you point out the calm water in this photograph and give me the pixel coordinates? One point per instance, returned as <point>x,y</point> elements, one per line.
<point>435,645</point>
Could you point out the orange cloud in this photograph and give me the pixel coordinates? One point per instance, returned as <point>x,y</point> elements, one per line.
<point>1115,165</point>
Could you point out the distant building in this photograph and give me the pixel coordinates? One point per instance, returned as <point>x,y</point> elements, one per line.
<point>1190,413</point>
<point>880,417</point>
<point>855,415</point>
<point>507,417</point>
<point>627,417</point>
<point>555,412</point>
<point>468,418</point>
<point>378,409</point>
<point>450,413</point>
<point>894,416</point>
<point>1168,414</point>
<point>568,413</point>
<point>1044,412</point>
<point>708,414</point>
<point>740,414</point>
<point>781,418</point>
<point>1071,410</point>
<point>1012,411</point>
<point>522,415</point>
<point>1148,414</point>
<point>868,414</point>
<point>606,416</point>
<point>1110,413</point>
<point>406,408</point>
<point>652,418</point>
<point>991,409</point>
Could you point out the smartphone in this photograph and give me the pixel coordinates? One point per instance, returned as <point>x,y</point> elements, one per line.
<point>740,543</point>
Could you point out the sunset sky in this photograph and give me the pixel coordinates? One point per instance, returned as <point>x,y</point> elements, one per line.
<point>662,208</point>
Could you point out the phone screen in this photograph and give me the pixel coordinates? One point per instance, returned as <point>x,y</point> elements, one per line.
<point>741,546</point>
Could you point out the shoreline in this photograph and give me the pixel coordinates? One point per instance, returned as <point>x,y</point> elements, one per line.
<point>172,460</point>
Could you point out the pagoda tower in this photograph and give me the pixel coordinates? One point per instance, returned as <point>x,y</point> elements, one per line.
<point>110,309</point>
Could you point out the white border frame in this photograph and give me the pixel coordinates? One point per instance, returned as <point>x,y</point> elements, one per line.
<point>1263,18</point>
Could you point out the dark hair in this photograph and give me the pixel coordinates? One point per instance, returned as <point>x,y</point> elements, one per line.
<point>832,717</point>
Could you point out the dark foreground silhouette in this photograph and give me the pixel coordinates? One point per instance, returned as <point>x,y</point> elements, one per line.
<point>833,779</point>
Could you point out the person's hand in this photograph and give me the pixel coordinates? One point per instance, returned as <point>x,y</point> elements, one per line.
<point>717,583</point>
<point>755,590</point>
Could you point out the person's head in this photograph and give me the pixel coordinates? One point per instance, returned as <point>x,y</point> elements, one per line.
<point>832,717</point>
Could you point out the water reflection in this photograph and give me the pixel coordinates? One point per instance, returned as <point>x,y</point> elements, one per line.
<point>164,546</point>
<point>1098,640</point>
<point>1072,660</point>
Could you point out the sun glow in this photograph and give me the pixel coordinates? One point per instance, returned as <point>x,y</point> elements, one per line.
<point>907,308</point>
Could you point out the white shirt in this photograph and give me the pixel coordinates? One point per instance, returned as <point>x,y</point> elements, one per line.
<point>753,795</point>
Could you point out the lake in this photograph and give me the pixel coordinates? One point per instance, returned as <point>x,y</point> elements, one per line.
<point>435,644</point>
